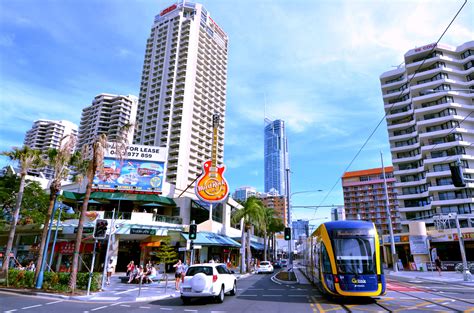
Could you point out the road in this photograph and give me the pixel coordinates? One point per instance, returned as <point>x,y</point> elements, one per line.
<point>258,294</point>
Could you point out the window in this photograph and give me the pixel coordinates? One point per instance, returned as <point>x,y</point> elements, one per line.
<point>200,269</point>
<point>468,65</point>
<point>221,269</point>
<point>467,53</point>
<point>355,255</point>
<point>325,260</point>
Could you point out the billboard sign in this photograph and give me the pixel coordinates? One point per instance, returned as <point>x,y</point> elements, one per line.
<point>141,170</point>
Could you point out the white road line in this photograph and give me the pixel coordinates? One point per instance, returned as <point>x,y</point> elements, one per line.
<point>121,292</point>
<point>166,309</point>
<point>249,295</point>
<point>296,295</point>
<point>255,289</point>
<point>125,305</point>
<point>218,311</point>
<point>145,307</point>
<point>190,310</point>
<point>32,306</point>
<point>99,308</point>
<point>54,302</point>
<point>11,311</point>
<point>276,289</point>
<point>118,303</point>
<point>430,306</point>
<point>271,295</point>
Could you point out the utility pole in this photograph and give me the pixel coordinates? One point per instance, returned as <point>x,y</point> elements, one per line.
<point>387,210</point>
<point>466,273</point>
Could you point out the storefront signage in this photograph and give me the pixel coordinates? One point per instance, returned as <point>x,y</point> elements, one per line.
<point>418,244</point>
<point>465,236</point>
<point>142,231</point>
<point>85,230</point>
<point>427,47</point>
<point>168,10</point>
<point>396,239</point>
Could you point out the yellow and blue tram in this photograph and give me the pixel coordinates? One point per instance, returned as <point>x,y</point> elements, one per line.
<point>343,259</point>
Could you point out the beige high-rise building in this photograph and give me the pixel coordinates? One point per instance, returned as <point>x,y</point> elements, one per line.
<point>183,83</point>
<point>429,102</point>
<point>47,134</point>
<point>106,115</point>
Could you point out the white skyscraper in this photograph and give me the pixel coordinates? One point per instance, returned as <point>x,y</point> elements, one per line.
<point>430,120</point>
<point>106,115</point>
<point>47,134</point>
<point>184,82</point>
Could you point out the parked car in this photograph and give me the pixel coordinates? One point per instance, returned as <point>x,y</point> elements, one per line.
<point>276,264</point>
<point>284,262</point>
<point>264,267</point>
<point>208,280</point>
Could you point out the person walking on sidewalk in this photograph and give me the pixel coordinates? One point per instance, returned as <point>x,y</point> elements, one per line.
<point>177,274</point>
<point>110,270</point>
<point>438,265</point>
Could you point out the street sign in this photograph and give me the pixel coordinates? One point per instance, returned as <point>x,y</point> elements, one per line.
<point>180,249</point>
<point>197,247</point>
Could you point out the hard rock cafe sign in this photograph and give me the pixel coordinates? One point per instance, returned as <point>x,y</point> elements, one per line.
<point>212,186</point>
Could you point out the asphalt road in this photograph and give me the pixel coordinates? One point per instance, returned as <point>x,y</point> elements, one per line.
<point>258,293</point>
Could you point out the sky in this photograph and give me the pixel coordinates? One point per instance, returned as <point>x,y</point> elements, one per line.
<point>314,64</point>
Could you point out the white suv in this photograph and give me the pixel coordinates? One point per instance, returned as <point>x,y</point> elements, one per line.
<point>208,280</point>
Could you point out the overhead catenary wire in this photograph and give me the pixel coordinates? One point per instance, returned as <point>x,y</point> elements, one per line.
<point>390,108</point>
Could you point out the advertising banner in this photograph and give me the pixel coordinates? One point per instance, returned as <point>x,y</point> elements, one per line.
<point>141,170</point>
<point>418,244</point>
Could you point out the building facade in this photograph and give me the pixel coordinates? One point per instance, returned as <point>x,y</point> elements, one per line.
<point>107,115</point>
<point>47,134</point>
<point>243,193</point>
<point>278,203</point>
<point>300,229</point>
<point>338,213</point>
<point>276,160</point>
<point>184,82</point>
<point>364,198</point>
<point>429,103</point>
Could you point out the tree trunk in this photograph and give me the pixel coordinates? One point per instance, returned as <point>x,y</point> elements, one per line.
<point>242,246</point>
<point>52,198</point>
<point>249,253</point>
<point>265,245</point>
<point>80,226</point>
<point>11,235</point>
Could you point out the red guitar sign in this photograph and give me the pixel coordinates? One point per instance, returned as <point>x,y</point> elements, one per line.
<point>212,186</point>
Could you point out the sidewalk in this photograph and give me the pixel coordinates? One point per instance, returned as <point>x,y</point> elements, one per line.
<point>446,277</point>
<point>121,292</point>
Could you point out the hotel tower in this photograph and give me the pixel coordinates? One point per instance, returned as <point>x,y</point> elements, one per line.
<point>183,84</point>
<point>429,110</point>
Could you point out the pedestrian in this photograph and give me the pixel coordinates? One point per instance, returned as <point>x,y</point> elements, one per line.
<point>185,268</point>
<point>438,265</point>
<point>130,268</point>
<point>31,267</point>
<point>177,274</point>
<point>110,270</point>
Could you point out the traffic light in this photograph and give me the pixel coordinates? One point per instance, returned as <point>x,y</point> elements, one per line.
<point>192,231</point>
<point>457,176</point>
<point>287,233</point>
<point>100,230</point>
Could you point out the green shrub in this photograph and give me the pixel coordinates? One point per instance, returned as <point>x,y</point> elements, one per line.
<point>52,281</point>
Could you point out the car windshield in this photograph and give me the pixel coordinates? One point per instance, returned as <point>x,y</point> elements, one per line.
<point>355,255</point>
<point>199,269</point>
<point>265,263</point>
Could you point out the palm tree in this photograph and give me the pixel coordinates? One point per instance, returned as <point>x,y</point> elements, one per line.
<point>276,226</point>
<point>29,159</point>
<point>267,218</point>
<point>60,161</point>
<point>251,214</point>
<point>91,163</point>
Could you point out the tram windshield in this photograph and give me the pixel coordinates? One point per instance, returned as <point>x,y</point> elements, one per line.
<point>355,255</point>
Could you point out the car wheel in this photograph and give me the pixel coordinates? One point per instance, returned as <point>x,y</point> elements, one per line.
<point>234,289</point>
<point>220,297</point>
<point>186,300</point>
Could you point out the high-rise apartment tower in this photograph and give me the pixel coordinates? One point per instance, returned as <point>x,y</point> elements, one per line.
<point>275,157</point>
<point>364,198</point>
<point>430,121</point>
<point>48,134</point>
<point>107,115</point>
<point>184,81</point>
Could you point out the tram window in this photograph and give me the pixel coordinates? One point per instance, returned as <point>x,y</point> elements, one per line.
<point>325,260</point>
<point>355,255</point>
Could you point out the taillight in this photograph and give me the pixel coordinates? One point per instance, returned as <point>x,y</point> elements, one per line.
<point>336,279</point>
<point>214,278</point>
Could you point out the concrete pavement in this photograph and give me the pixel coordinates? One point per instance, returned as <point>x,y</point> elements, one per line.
<point>446,277</point>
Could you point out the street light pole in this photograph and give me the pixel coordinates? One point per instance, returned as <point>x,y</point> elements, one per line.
<point>387,210</point>
<point>39,280</point>
<point>466,273</point>
<point>288,196</point>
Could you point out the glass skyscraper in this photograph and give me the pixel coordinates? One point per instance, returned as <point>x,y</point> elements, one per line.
<point>275,156</point>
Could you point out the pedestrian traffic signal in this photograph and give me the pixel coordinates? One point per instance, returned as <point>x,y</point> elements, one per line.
<point>192,231</point>
<point>457,176</point>
<point>287,233</point>
<point>100,230</point>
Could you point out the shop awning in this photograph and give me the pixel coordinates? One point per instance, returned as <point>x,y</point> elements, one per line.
<point>211,239</point>
<point>121,196</point>
<point>256,245</point>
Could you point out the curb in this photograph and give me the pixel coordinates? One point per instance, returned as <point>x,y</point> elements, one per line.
<point>41,294</point>
<point>156,298</point>
<point>283,282</point>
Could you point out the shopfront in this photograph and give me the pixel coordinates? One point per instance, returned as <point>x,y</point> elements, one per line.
<point>219,248</point>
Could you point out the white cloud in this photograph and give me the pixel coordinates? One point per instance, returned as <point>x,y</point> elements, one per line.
<point>6,40</point>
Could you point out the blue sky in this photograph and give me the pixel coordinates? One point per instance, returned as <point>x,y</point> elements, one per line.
<point>315,64</point>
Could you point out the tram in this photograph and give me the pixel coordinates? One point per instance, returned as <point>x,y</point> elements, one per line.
<point>343,259</point>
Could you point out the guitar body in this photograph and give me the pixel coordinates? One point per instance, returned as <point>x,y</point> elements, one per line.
<point>212,186</point>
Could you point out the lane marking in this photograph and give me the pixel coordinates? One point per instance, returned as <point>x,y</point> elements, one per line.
<point>271,295</point>
<point>53,302</point>
<point>145,307</point>
<point>121,292</point>
<point>190,310</point>
<point>296,295</point>
<point>11,311</point>
<point>125,305</point>
<point>99,308</point>
<point>32,306</point>
<point>166,309</point>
